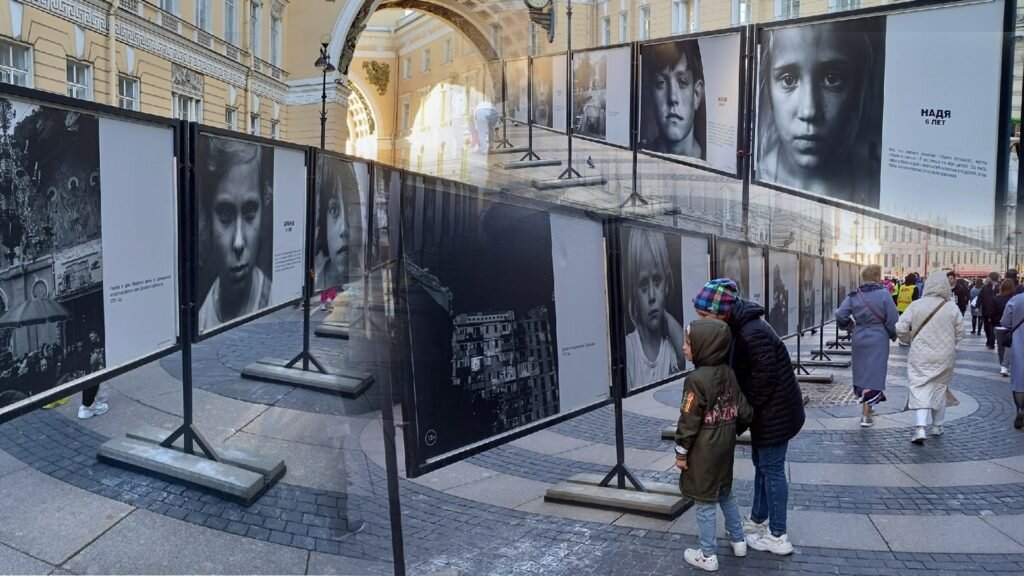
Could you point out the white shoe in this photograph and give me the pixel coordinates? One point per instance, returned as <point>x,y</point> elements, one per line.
<point>751,527</point>
<point>739,549</point>
<point>919,436</point>
<point>323,307</point>
<point>866,421</point>
<point>697,559</point>
<point>97,408</point>
<point>765,542</point>
<point>1004,371</point>
<point>936,431</point>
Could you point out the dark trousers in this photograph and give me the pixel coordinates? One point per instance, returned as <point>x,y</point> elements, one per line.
<point>89,395</point>
<point>990,333</point>
<point>977,323</point>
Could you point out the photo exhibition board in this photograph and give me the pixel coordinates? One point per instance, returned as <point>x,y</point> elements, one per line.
<point>601,99</point>
<point>843,283</point>
<point>743,264</point>
<point>783,289</point>
<point>505,318</point>
<point>810,292</point>
<point>250,202</point>
<point>386,216</point>
<point>893,128</point>
<point>690,97</point>
<point>341,195</point>
<point>549,85</point>
<point>83,262</point>
<point>516,89</point>
<point>829,275</point>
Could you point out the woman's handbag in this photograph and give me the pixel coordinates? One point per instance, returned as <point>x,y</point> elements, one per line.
<point>890,330</point>
<point>1006,336</point>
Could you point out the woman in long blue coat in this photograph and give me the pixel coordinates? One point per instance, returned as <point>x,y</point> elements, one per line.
<point>1012,320</point>
<point>870,313</point>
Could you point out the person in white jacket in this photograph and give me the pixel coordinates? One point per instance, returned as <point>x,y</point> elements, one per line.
<point>932,326</point>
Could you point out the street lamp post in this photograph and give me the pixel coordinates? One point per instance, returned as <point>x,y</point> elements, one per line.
<point>324,64</point>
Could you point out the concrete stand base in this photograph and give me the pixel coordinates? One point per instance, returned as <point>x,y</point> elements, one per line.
<point>827,363</point>
<point>530,164</point>
<point>240,476</point>
<point>660,501</point>
<point>348,383</point>
<point>814,378</point>
<point>513,150</point>
<point>837,352</point>
<point>570,182</point>
<point>328,329</point>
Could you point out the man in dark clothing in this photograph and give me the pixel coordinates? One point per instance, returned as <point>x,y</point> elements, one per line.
<point>960,290</point>
<point>987,303</point>
<point>765,374</point>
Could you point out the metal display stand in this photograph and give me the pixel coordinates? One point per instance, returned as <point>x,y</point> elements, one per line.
<point>530,159</point>
<point>635,197</point>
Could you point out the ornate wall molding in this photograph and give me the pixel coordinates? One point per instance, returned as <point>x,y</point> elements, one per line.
<point>310,91</point>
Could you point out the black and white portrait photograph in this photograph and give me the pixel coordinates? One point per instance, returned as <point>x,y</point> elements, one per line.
<point>828,291</point>
<point>234,204</point>
<point>810,291</point>
<point>744,265</point>
<point>386,195</point>
<point>52,327</point>
<point>819,119</point>
<point>516,84</point>
<point>782,288</point>
<point>673,115</point>
<point>589,93</point>
<point>651,286</point>
<point>479,299</point>
<point>339,233</point>
<point>842,283</point>
<point>543,92</point>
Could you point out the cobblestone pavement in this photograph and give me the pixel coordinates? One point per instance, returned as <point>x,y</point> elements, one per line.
<point>861,501</point>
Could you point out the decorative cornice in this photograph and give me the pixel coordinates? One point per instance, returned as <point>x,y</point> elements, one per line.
<point>310,91</point>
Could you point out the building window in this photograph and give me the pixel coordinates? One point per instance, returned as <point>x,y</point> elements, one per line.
<point>406,68</point>
<point>187,108</point>
<point>789,9</point>
<point>741,12</point>
<point>645,22</point>
<point>254,124</point>
<point>14,64</point>
<point>840,5</point>
<point>230,22</point>
<point>624,27</point>
<point>695,18</point>
<point>678,16</point>
<point>446,52</point>
<point>405,113</point>
<point>255,19</point>
<point>606,31</point>
<point>128,93</point>
<point>203,15</point>
<point>79,80</point>
<point>275,129</point>
<point>231,118</point>
<point>169,6</point>
<point>275,40</point>
<point>425,65</point>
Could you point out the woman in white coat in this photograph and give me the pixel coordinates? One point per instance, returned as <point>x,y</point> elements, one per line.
<point>932,326</point>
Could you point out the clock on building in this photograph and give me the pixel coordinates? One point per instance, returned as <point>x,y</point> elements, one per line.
<point>537,4</point>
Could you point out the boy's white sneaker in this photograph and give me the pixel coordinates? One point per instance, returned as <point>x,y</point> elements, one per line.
<point>697,559</point>
<point>936,431</point>
<point>919,436</point>
<point>739,549</point>
<point>97,408</point>
<point>751,527</point>
<point>765,542</point>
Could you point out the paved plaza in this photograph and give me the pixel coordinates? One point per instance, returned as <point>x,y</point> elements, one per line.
<point>861,501</point>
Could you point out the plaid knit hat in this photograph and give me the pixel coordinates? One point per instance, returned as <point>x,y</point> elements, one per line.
<point>717,296</point>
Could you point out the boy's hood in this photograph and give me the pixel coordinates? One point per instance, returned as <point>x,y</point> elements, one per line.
<point>709,342</point>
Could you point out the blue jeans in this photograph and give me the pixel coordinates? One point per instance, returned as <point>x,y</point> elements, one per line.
<point>771,493</point>
<point>706,521</point>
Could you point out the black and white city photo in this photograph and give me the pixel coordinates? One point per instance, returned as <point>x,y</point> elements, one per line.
<point>234,204</point>
<point>339,236</point>
<point>673,116</point>
<point>651,286</point>
<point>589,93</point>
<point>52,328</point>
<point>819,123</point>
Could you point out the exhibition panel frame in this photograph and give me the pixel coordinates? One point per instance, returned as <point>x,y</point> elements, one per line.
<point>738,98</point>
<point>885,53</point>
<point>681,265</point>
<point>810,310</point>
<point>339,220</point>
<point>520,113</point>
<point>87,285</point>
<point>723,266</point>
<point>829,297</point>
<point>546,96</point>
<point>779,308</point>
<point>282,250</point>
<point>488,356</point>
<point>592,55</point>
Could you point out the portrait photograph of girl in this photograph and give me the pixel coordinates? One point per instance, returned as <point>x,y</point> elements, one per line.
<point>339,237</point>
<point>651,286</point>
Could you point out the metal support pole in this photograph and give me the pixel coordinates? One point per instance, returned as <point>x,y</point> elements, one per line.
<point>530,154</point>
<point>635,197</point>
<point>569,172</point>
<point>504,111</point>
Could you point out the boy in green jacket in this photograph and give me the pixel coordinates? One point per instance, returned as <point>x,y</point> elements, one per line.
<point>712,414</point>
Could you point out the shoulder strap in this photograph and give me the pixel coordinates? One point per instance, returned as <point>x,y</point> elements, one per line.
<point>930,316</point>
<point>870,309</point>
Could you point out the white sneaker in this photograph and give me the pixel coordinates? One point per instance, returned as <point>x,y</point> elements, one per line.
<point>697,559</point>
<point>919,436</point>
<point>323,307</point>
<point>1004,371</point>
<point>751,527</point>
<point>936,431</point>
<point>866,421</point>
<point>765,542</point>
<point>739,549</point>
<point>97,408</point>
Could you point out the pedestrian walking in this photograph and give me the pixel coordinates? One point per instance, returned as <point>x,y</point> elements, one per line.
<point>986,301</point>
<point>1012,318</point>
<point>932,326</point>
<point>712,413</point>
<point>977,322</point>
<point>765,374</point>
<point>871,316</point>
<point>908,293</point>
<point>1001,300</point>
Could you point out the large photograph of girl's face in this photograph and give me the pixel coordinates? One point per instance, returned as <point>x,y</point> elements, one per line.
<point>234,196</point>
<point>819,121</point>
<point>651,287</point>
<point>339,239</point>
<point>673,118</point>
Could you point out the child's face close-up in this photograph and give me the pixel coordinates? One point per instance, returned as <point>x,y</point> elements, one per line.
<point>650,293</point>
